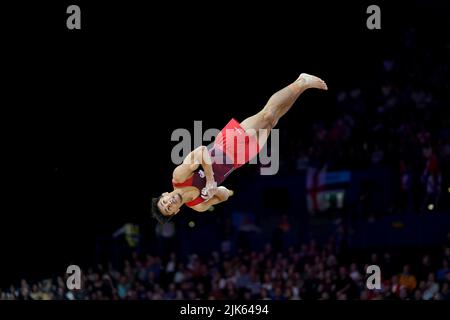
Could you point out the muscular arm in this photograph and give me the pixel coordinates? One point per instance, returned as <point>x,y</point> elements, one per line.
<point>222,195</point>
<point>199,156</point>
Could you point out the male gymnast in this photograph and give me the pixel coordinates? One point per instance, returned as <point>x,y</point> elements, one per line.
<point>234,146</point>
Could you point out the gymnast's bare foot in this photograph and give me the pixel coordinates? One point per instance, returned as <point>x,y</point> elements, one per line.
<point>307,81</point>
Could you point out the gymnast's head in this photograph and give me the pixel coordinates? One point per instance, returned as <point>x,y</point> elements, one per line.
<point>166,206</point>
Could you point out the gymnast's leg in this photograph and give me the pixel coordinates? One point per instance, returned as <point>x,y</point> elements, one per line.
<point>278,104</point>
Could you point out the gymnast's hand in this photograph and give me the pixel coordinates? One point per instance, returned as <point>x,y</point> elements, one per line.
<point>210,189</point>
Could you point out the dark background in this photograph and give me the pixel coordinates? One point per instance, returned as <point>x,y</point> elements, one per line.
<point>88,115</point>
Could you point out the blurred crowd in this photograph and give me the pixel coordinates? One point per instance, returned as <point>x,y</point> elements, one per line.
<point>309,272</point>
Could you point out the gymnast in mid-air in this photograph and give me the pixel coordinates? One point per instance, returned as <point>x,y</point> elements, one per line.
<point>197,181</point>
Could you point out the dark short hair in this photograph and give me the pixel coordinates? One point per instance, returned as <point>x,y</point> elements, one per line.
<point>156,213</point>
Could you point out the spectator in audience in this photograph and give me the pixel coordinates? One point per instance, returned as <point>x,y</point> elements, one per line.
<point>431,288</point>
<point>425,268</point>
<point>407,280</point>
<point>444,271</point>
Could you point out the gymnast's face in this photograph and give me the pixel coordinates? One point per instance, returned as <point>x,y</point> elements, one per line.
<point>169,204</point>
